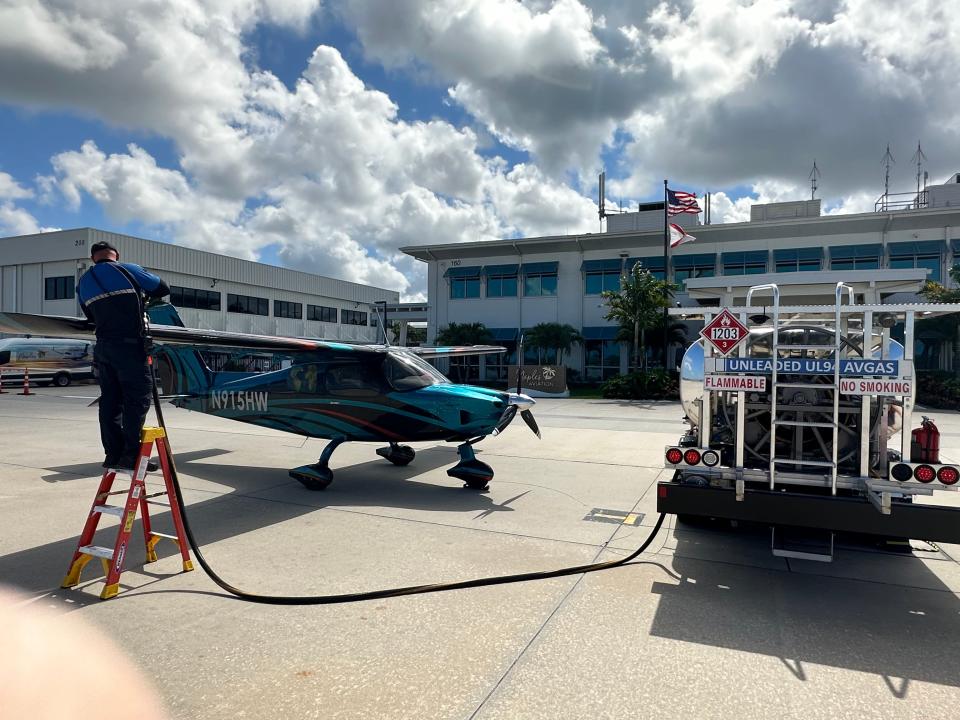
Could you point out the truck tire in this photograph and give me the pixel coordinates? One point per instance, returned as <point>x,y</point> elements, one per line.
<point>61,379</point>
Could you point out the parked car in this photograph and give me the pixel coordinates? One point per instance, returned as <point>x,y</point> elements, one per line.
<point>54,361</point>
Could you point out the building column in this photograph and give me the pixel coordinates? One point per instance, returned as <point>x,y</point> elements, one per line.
<point>403,333</point>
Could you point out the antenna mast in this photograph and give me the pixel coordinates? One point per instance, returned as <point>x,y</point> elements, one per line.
<point>887,161</point>
<point>814,176</point>
<point>920,158</point>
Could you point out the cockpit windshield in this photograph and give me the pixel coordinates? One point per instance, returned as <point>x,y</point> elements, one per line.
<point>408,372</point>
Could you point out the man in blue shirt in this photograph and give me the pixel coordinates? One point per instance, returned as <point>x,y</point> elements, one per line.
<point>111,295</point>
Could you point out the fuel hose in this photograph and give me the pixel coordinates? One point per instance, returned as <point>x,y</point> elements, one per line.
<point>372,594</point>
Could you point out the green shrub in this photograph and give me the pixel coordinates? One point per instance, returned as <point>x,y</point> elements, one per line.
<point>938,389</point>
<point>652,385</point>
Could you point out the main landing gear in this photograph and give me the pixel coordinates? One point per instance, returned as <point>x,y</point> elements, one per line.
<point>319,475</point>
<point>474,473</point>
<point>397,454</point>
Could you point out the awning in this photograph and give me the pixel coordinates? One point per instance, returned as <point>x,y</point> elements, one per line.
<point>653,264</point>
<point>923,247</point>
<point>612,265</point>
<point>503,334</point>
<point>538,268</point>
<point>501,270</point>
<point>696,260</point>
<point>600,332</point>
<point>750,257</point>
<point>798,254</point>
<point>848,252</point>
<point>463,272</point>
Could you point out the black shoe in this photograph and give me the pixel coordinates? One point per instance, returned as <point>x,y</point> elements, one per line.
<point>126,465</point>
<point>110,461</point>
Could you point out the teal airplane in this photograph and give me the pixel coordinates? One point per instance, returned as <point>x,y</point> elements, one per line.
<point>323,389</point>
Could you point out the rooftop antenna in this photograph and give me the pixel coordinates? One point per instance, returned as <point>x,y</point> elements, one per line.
<point>814,176</point>
<point>887,161</point>
<point>920,158</point>
<point>602,202</point>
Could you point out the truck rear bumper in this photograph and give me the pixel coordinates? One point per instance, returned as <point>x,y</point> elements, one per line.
<point>823,512</point>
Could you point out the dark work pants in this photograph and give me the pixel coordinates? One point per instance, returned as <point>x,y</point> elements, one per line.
<point>125,393</point>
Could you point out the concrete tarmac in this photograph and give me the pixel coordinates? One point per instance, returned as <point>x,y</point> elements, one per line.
<point>708,624</point>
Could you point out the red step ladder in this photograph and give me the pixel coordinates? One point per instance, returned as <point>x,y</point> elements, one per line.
<point>112,558</point>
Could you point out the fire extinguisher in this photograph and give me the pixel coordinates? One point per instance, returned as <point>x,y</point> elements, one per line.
<point>925,443</point>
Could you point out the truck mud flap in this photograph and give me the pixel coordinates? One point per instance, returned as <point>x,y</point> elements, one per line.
<point>824,512</point>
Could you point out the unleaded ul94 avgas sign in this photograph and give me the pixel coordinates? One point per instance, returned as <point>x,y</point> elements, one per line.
<point>724,332</point>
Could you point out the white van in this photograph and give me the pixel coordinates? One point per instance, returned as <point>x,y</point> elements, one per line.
<point>49,360</point>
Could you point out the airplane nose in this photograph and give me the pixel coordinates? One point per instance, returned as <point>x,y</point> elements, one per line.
<point>523,402</point>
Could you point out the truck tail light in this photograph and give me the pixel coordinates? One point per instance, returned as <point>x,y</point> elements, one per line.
<point>924,473</point>
<point>692,457</point>
<point>901,472</point>
<point>711,458</point>
<point>674,456</point>
<point>948,475</point>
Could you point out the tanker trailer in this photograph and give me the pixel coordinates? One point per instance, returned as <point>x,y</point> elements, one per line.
<point>797,426</point>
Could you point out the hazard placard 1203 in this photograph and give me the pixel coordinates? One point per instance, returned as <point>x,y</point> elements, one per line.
<point>724,332</point>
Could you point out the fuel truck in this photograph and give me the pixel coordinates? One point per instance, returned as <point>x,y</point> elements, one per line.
<point>801,418</point>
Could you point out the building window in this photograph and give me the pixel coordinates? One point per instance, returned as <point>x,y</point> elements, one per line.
<point>501,280</point>
<point>798,259</point>
<point>753,262</point>
<point>539,279</point>
<point>464,287</point>
<point>855,257</point>
<point>694,266</point>
<point>58,288</point>
<point>497,366</point>
<point>353,317</point>
<point>601,359</point>
<point>247,305</point>
<point>322,313</point>
<point>595,283</point>
<point>287,309</point>
<point>465,369</point>
<point>927,254</point>
<point>184,297</point>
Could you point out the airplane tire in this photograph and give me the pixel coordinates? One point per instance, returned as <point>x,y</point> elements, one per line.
<point>476,483</point>
<point>402,455</point>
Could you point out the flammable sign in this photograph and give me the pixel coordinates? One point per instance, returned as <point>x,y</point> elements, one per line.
<point>724,332</point>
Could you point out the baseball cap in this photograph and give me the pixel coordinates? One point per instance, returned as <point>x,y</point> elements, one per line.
<point>102,245</point>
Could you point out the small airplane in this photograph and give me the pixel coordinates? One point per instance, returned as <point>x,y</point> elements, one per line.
<point>338,391</point>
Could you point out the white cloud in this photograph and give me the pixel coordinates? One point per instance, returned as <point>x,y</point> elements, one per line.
<point>10,189</point>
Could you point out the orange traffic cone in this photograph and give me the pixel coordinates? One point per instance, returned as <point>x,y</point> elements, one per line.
<point>26,383</point>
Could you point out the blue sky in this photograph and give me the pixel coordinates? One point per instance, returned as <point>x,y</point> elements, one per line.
<point>260,129</point>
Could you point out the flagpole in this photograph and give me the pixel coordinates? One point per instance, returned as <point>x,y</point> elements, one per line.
<point>666,273</point>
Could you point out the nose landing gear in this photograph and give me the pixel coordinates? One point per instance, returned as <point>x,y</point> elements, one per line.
<point>475,474</point>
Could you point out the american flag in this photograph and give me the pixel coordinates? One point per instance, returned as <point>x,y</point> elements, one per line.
<point>679,202</point>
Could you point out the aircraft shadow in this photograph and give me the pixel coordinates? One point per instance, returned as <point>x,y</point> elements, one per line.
<point>263,496</point>
<point>64,473</point>
<point>903,627</point>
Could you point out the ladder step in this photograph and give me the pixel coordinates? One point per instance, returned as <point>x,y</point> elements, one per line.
<point>97,551</point>
<point>812,386</point>
<point>804,423</point>
<point>812,463</point>
<point>785,348</point>
<point>158,502</point>
<point>109,510</point>
<point>166,536</point>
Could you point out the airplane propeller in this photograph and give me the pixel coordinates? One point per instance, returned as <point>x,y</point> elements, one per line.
<point>525,412</point>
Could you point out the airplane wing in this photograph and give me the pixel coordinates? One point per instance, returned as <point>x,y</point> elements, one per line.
<point>71,327</point>
<point>456,350</point>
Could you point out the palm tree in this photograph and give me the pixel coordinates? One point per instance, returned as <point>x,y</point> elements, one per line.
<point>638,306</point>
<point>553,336</point>
<point>949,325</point>
<point>463,334</point>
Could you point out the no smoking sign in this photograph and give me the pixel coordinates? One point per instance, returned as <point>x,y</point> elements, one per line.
<point>724,332</point>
